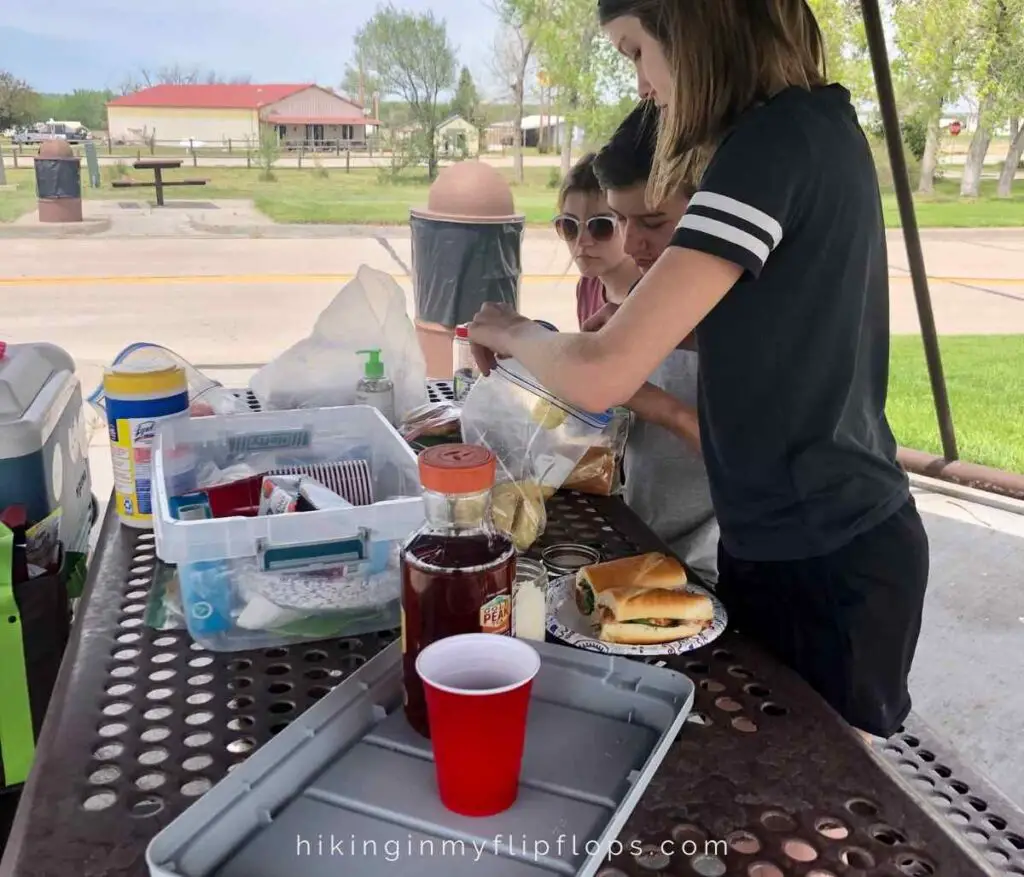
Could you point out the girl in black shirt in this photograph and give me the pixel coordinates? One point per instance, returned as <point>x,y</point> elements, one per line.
<point>779,264</point>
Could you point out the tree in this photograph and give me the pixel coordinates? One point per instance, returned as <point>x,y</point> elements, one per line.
<point>565,33</point>
<point>846,51</point>
<point>82,105</point>
<point>613,95</point>
<point>1012,82</point>
<point>931,38</point>
<point>998,40</point>
<point>357,83</point>
<point>177,74</point>
<point>1008,174</point>
<point>412,58</point>
<point>513,66</point>
<point>466,102</point>
<point>18,102</point>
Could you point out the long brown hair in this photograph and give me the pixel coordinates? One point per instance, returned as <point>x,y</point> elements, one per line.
<point>726,56</point>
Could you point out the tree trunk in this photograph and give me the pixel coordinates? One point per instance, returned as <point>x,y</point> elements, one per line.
<point>1013,156</point>
<point>432,153</point>
<point>930,159</point>
<point>567,125</point>
<point>517,144</point>
<point>970,185</point>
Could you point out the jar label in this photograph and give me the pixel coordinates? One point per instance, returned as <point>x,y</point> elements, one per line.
<point>496,615</point>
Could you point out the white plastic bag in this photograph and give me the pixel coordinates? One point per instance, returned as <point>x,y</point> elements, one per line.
<point>322,370</point>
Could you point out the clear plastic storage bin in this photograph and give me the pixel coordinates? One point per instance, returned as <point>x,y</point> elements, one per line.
<point>257,582</point>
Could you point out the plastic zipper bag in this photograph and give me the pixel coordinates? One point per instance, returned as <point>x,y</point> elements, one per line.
<point>537,438</point>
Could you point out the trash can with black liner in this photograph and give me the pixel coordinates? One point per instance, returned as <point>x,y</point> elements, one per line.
<point>466,250</point>
<point>58,182</point>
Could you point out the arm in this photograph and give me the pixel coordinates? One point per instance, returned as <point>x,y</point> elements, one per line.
<point>596,370</point>
<point>751,194</point>
<point>654,405</point>
<point>651,403</point>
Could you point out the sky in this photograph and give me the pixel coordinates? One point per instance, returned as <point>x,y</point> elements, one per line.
<point>67,44</point>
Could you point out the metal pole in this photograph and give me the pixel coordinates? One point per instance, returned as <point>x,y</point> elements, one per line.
<point>911,235</point>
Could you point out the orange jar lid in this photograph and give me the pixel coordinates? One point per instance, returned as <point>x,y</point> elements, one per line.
<point>457,469</point>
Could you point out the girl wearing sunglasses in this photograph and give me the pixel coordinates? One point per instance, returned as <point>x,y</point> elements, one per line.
<point>588,227</point>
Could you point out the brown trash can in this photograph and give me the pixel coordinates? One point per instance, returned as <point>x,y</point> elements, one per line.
<point>58,182</point>
<point>466,250</point>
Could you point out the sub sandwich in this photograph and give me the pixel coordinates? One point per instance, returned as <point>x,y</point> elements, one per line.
<point>641,600</point>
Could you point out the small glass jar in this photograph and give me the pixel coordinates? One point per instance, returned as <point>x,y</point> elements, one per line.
<point>464,370</point>
<point>529,599</point>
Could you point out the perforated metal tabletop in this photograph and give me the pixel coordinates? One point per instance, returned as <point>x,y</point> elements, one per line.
<point>143,722</point>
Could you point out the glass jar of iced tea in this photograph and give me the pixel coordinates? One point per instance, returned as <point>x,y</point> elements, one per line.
<point>457,569</point>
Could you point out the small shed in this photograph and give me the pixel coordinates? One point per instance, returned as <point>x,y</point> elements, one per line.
<point>456,137</point>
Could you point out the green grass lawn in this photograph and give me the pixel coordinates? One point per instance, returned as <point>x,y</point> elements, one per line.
<point>985,377</point>
<point>362,196</point>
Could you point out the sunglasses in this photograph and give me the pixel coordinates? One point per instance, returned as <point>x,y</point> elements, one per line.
<point>601,228</point>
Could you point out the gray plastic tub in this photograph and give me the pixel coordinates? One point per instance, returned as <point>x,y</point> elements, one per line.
<point>349,787</point>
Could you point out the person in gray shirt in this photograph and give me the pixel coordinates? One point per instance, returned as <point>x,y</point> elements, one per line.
<point>666,482</point>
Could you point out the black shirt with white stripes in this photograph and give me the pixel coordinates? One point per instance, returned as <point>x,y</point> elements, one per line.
<point>794,360</point>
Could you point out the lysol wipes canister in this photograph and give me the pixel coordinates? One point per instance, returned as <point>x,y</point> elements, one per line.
<point>139,396</point>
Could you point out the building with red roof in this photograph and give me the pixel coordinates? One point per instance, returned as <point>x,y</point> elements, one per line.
<point>226,115</point>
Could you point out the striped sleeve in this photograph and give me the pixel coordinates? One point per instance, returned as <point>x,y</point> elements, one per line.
<point>744,204</point>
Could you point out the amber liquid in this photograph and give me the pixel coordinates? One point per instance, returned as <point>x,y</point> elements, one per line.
<point>446,583</point>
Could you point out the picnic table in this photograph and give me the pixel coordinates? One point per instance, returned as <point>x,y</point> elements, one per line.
<point>158,166</point>
<point>144,721</point>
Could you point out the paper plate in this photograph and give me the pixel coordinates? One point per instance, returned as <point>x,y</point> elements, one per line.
<point>567,624</point>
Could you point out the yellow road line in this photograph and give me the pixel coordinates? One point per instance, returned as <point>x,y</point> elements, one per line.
<point>182,279</point>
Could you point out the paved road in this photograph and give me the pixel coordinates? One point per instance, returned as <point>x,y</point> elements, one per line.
<point>230,300</point>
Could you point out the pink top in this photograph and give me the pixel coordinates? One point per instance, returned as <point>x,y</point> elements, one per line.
<point>590,298</point>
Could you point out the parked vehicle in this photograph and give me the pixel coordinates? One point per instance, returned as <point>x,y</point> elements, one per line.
<point>73,132</point>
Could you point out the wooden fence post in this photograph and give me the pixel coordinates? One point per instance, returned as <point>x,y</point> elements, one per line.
<point>192,146</point>
<point>302,149</point>
<point>348,161</point>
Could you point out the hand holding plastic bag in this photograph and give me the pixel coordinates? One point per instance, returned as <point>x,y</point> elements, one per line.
<point>322,370</point>
<point>537,440</point>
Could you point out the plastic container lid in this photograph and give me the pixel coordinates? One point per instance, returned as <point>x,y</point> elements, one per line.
<point>462,331</point>
<point>457,469</point>
<point>129,378</point>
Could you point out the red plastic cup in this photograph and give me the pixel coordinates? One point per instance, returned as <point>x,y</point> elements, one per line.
<point>477,688</point>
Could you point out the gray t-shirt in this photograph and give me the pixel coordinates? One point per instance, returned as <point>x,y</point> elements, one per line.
<point>666,483</point>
